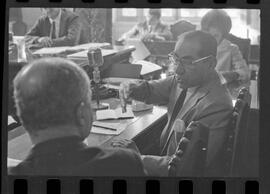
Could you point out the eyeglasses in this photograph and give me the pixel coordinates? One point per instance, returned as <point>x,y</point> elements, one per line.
<point>184,61</point>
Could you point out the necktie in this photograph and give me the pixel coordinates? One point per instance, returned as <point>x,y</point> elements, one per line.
<point>53,31</point>
<point>178,105</point>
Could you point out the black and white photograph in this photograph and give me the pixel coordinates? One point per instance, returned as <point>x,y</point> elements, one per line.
<point>133,92</point>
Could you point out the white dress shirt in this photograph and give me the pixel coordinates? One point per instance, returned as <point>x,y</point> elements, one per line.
<point>57,23</point>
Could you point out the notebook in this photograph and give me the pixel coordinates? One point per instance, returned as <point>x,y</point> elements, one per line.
<point>114,114</point>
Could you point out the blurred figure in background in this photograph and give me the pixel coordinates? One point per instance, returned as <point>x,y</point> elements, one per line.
<point>57,27</point>
<point>151,29</point>
<point>231,65</point>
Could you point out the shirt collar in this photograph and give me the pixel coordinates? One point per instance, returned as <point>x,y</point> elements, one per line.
<point>57,19</point>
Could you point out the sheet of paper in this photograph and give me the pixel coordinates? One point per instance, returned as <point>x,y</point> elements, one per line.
<point>141,51</point>
<point>83,54</point>
<point>12,162</point>
<point>147,67</point>
<point>11,120</point>
<point>114,114</point>
<point>106,114</point>
<point>51,50</point>
<point>119,127</point>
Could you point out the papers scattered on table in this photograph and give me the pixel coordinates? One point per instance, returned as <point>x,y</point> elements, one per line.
<point>91,45</point>
<point>108,128</point>
<point>114,114</point>
<point>51,50</point>
<point>118,80</point>
<point>141,51</point>
<point>83,54</point>
<point>147,67</point>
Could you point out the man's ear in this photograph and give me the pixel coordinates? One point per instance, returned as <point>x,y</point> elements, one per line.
<point>80,120</point>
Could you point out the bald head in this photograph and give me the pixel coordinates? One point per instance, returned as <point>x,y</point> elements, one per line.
<point>202,43</point>
<point>48,90</point>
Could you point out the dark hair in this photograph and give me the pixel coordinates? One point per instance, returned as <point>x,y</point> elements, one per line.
<point>207,43</point>
<point>47,92</point>
<point>218,19</point>
<point>155,12</point>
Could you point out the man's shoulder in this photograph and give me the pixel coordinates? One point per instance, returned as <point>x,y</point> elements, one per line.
<point>69,14</point>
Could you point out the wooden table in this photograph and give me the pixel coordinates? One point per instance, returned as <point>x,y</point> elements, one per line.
<point>145,129</point>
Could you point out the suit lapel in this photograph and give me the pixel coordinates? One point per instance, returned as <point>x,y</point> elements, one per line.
<point>193,100</point>
<point>62,24</point>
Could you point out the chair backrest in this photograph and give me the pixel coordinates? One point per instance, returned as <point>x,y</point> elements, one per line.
<point>190,156</point>
<point>242,43</point>
<point>236,133</point>
<point>180,27</point>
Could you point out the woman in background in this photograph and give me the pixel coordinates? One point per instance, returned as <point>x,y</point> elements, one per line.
<point>231,65</point>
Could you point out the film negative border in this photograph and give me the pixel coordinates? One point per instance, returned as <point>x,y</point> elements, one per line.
<point>122,186</point>
<point>152,185</point>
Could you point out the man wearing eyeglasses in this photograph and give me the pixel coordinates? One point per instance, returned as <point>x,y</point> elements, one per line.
<point>193,93</point>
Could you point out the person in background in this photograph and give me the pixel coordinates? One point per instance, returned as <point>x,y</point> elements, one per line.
<point>230,63</point>
<point>193,93</point>
<point>151,29</point>
<point>57,27</point>
<point>53,101</point>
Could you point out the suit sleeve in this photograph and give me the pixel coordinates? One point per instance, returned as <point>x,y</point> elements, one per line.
<point>73,33</point>
<point>153,92</point>
<point>216,118</point>
<point>239,64</point>
<point>34,34</point>
<point>156,165</point>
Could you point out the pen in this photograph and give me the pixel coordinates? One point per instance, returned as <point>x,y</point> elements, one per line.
<point>104,127</point>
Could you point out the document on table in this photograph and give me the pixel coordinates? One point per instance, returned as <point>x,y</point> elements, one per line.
<point>114,114</point>
<point>108,128</point>
<point>83,54</point>
<point>141,51</point>
<point>91,45</point>
<point>51,50</point>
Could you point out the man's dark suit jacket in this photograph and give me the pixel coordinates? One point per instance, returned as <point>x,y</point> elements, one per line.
<point>70,156</point>
<point>70,30</point>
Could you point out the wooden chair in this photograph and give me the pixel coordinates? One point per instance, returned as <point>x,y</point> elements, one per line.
<point>236,136</point>
<point>243,44</point>
<point>190,156</point>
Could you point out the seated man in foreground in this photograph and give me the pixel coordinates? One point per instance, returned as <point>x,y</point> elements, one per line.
<point>53,101</point>
<point>194,93</point>
<point>58,27</point>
